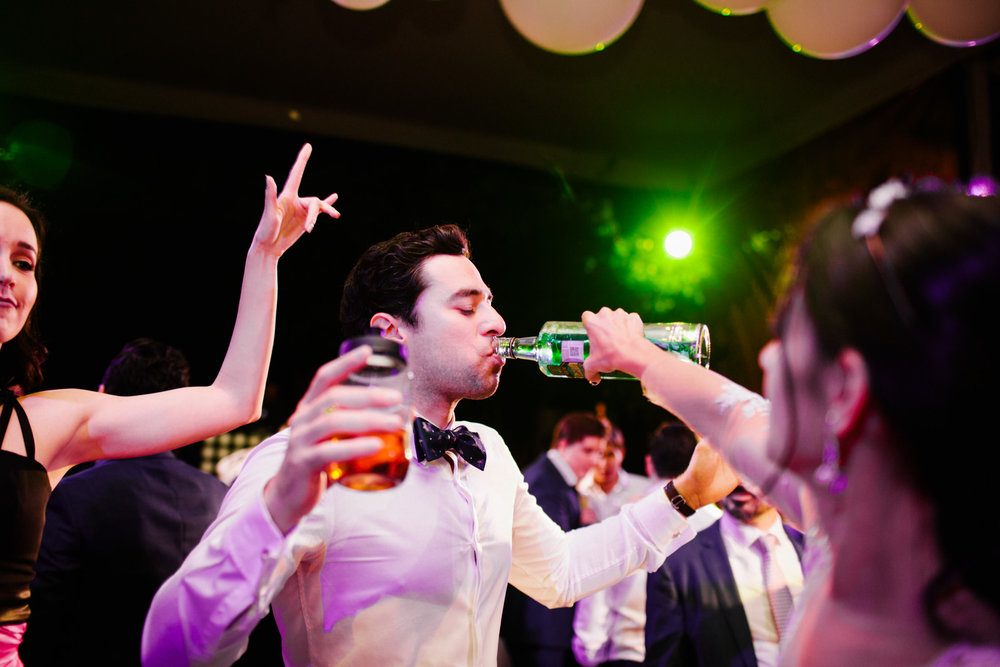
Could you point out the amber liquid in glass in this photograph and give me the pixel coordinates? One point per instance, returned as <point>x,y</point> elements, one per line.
<point>382,470</point>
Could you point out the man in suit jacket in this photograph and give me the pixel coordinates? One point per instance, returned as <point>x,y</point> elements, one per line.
<point>533,634</point>
<point>707,604</point>
<point>115,532</point>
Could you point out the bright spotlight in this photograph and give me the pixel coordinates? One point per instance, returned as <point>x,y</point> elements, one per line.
<point>678,244</point>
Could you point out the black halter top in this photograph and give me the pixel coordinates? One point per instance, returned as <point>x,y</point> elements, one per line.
<point>24,492</point>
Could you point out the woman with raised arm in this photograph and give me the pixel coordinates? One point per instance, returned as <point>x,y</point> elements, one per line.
<point>44,434</point>
<point>877,436</point>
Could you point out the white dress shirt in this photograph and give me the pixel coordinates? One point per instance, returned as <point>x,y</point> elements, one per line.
<point>414,575</point>
<point>563,468</point>
<point>629,488</point>
<point>747,565</point>
<point>610,624</point>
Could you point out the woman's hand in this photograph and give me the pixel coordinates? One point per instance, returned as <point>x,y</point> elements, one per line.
<point>617,342</point>
<point>332,422</point>
<point>287,215</point>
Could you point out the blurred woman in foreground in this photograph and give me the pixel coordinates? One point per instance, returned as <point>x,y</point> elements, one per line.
<point>877,436</point>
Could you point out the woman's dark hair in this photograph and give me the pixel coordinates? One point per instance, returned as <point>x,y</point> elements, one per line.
<point>388,278</point>
<point>921,310</point>
<point>21,357</point>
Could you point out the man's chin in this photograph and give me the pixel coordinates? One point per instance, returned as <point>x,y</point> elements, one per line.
<point>488,388</point>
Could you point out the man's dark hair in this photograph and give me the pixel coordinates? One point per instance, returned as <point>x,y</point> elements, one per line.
<point>145,366</point>
<point>388,278</point>
<point>670,449</point>
<point>575,426</point>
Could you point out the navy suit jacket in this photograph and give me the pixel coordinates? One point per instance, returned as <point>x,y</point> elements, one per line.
<point>694,615</point>
<point>524,620</point>
<point>113,534</point>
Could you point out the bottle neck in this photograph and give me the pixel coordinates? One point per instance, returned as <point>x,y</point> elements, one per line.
<point>516,348</point>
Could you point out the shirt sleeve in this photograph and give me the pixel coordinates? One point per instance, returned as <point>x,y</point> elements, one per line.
<point>557,568</point>
<point>204,613</point>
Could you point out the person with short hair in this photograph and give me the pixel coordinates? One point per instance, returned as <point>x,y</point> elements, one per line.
<point>710,603</point>
<point>669,454</point>
<point>532,633</point>
<point>608,624</point>
<point>415,574</point>
<point>114,533</point>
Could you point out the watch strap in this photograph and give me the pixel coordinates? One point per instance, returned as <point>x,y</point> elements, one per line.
<point>677,500</point>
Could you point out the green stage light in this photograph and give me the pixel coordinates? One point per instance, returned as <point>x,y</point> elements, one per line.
<point>652,254</point>
<point>37,152</point>
<point>678,244</point>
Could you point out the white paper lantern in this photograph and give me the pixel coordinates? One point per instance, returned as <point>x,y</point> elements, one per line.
<point>571,26</point>
<point>957,22</point>
<point>734,7</point>
<point>829,30</point>
<point>360,4</point>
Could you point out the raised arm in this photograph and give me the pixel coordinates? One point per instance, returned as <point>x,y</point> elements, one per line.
<point>735,420</point>
<point>75,425</point>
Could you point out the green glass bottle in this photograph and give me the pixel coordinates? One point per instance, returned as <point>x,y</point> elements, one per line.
<point>560,347</point>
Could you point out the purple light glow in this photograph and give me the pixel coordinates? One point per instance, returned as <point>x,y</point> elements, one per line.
<point>982,186</point>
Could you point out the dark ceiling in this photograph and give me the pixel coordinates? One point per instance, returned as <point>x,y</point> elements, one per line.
<point>685,98</point>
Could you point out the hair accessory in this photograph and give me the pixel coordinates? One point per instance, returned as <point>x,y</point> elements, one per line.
<point>829,472</point>
<point>866,227</point>
<point>867,222</point>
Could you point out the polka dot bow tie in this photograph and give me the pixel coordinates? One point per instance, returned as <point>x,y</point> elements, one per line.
<point>431,443</point>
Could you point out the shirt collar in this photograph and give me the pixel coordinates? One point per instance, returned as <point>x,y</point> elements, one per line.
<point>447,426</point>
<point>560,463</point>
<point>745,535</point>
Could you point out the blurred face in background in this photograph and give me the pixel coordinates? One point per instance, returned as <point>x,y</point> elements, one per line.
<point>747,508</point>
<point>606,470</point>
<point>583,455</point>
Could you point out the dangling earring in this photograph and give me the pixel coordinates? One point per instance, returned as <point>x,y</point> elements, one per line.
<point>828,472</point>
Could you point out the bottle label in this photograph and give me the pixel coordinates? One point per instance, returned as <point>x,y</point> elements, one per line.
<point>572,351</point>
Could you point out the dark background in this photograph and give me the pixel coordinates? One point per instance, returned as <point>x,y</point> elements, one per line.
<point>141,140</point>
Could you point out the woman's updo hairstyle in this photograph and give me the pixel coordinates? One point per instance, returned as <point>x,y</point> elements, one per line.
<point>911,279</point>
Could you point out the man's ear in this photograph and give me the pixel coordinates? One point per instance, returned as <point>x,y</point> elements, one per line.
<point>848,391</point>
<point>390,326</point>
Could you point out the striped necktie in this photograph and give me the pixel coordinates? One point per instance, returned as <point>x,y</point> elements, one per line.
<point>778,595</point>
